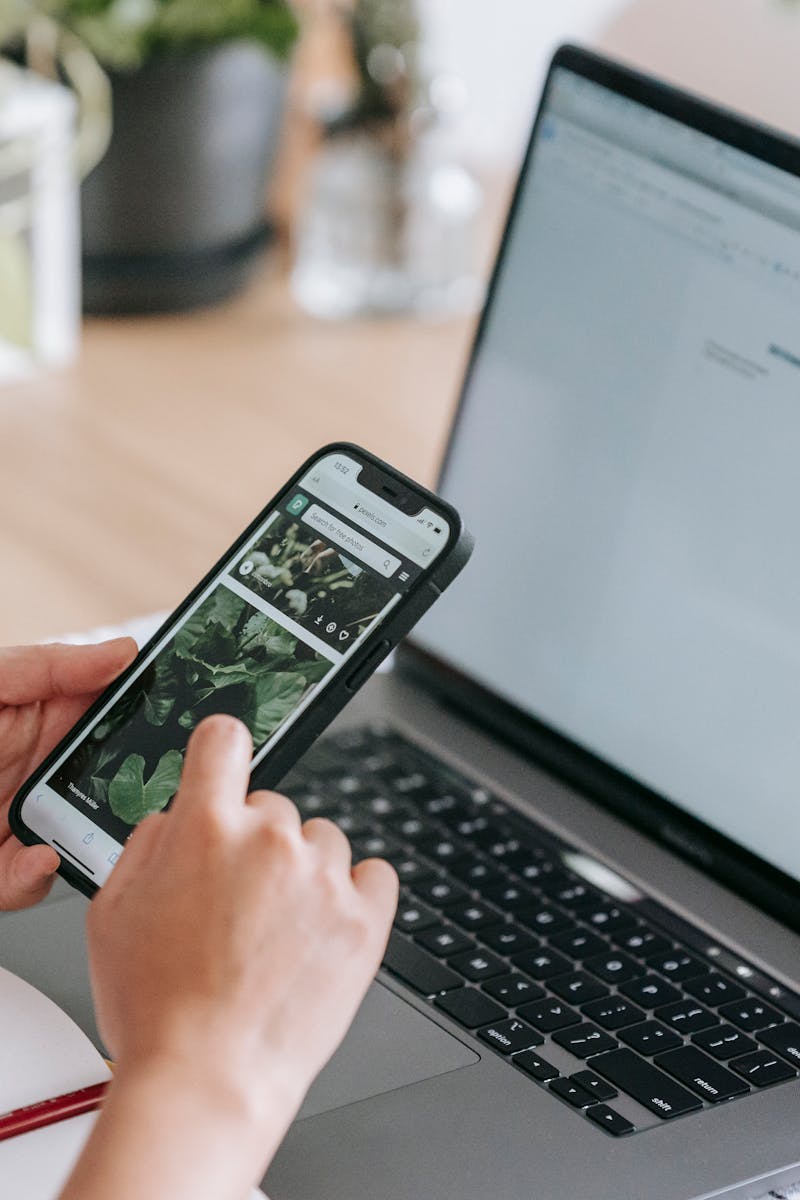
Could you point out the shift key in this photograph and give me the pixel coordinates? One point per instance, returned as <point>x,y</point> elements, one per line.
<point>417,968</point>
<point>651,1087</point>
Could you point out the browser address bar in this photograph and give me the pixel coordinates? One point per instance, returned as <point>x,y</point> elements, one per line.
<point>419,549</point>
<point>350,541</point>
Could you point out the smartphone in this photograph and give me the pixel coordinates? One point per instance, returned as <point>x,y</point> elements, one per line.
<point>286,627</point>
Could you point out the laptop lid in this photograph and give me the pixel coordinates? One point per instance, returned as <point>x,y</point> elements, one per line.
<point>627,454</point>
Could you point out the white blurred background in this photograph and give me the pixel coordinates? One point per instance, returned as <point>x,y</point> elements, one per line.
<point>500,50</point>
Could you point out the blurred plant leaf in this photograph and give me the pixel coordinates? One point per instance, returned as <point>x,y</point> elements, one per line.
<point>124,34</point>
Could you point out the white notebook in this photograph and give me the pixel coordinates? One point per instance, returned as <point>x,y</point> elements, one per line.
<point>43,1054</point>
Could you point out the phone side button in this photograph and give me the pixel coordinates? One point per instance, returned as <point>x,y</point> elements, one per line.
<point>373,660</point>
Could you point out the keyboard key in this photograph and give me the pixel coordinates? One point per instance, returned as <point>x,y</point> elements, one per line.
<point>762,1069</point>
<point>687,1016</point>
<point>529,868</point>
<point>544,918</point>
<point>508,939</point>
<point>702,1074</point>
<point>751,1014</point>
<point>589,897</point>
<point>411,871</point>
<point>650,991</point>
<point>444,941</point>
<point>513,989</point>
<point>676,966</point>
<point>447,806</point>
<point>411,916</point>
<point>642,942</point>
<point>471,827</point>
<point>612,1122</point>
<point>650,1037</point>
<point>555,880</point>
<point>578,943</point>
<point>723,1041</point>
<point>542,964</point>
<point>414,829</point>
<point>497,847</point>
<point>444,850</point>
<point>607,918</point>
<point>656,1091</point>
<point>444,893</point>
<point>714,989</point>
<point>538,1068</point>
<point>384,807</point>
<point>420,970</point>
<point>470,1007</point>
<point>569,893</point>
<point>510,896</point>
<point>376,845</point>
<point>476,873</point>
<point>584,1040</point>
<point>353,824</point>
<point>573,1093</point>
<point>474,915</point>
<point>783,1039</point>
<point>578,987</point>
<point>476,965</point>
<point>312,804</point>
<point>613,967</point>
<point>406,784</point>
<point>548,1015</point>
<point>614,1013</point>
<point>593,1084</point>
<point>510,1036</point>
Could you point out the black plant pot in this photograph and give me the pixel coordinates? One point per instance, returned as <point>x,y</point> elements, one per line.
<point>173,216</point>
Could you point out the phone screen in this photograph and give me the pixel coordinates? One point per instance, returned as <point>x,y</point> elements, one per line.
<point>326,565</point>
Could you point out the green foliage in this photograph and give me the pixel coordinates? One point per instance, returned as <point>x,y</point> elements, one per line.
<point>225,645</point>
<point>131,799</point>
<point>124,34</point>
<point>227,657</point>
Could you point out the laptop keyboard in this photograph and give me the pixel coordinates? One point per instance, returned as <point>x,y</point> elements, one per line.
<point>599,1001</point>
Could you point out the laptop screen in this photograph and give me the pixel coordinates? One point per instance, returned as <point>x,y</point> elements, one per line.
<point>628,457</point>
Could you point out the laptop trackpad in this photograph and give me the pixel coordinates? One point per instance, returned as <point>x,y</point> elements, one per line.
<point>390,1045</point>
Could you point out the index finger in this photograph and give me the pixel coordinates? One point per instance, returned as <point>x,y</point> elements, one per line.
<point>32,673</point>
<point>216,771</point>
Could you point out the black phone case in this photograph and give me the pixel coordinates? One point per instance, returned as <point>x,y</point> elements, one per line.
<point>416,601</point>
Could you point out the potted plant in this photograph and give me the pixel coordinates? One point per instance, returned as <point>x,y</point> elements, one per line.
<point>173,215</point>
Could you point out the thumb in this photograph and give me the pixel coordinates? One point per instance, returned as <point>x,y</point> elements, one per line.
<point>28,875</point>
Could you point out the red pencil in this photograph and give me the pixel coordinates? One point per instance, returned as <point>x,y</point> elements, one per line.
<point>47,1112</point>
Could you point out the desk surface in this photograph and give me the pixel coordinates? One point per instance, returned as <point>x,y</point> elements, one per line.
<point>124,477</point>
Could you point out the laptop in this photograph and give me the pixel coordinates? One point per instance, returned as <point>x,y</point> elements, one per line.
<point>585,766</point>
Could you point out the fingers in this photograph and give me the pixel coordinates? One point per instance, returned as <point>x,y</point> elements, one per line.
<point>26,874</point>
<point>216,770</point>
<point>377,883</point>
<point>329,840</point>
<point>137,850</point>
<point>278,809</point>
<point>31,673</point>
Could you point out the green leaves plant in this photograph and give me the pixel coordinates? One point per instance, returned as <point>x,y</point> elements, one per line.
<point>131,799</point>
<point>273,697</point>
<point>159,700</point>
<point>125,35</point>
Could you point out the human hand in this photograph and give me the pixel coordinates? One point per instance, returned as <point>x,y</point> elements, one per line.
<point>43,692</point>
<point>231,946</point>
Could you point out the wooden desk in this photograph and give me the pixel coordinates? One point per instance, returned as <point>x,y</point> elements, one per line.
<point>124,478</point>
